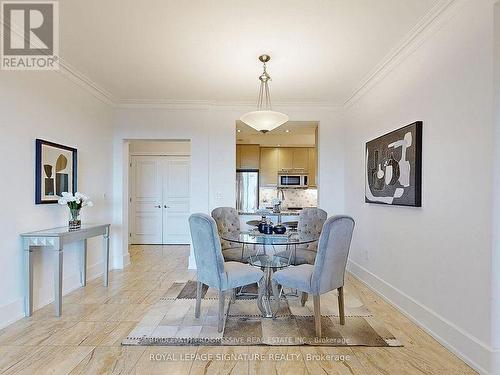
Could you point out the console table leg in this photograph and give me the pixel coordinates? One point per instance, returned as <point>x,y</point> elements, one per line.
<point>28,260</point>
<point>83,264</point>
<point>106,258</point>
<point>58,273</point>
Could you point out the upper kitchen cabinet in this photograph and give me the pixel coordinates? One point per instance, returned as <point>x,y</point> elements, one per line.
<point>301,158</point>
<point>269,159</point>
<point>285,158</point>
<point>247,156</point>
<point>313,166</point>
<point>293,158</point>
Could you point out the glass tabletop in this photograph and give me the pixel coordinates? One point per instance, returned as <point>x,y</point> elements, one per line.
<point>268,261</point>
<point>256,238</point>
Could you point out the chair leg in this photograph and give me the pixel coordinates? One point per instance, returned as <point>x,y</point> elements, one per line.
<point>233,295</point>
<point>303,298</point>
<point>341,305</point>
<point>199,287</point>
<point>221,310</point>
<point>317,315</point>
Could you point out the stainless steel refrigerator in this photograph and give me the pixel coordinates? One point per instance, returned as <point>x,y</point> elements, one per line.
<point>247,190</point>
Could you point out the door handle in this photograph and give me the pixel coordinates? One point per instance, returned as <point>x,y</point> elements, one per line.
<point>159,206</point>
<point>166,206</point>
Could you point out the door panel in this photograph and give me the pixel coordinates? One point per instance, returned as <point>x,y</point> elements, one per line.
<point>160,195</point>
<point>300,158</point>
<point>268,166</point>
<point>285,158</point>
<point>146,227</point>
<point>249,156</point>
<point>176,197</point>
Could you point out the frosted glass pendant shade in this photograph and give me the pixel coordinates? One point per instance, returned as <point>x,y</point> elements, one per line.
<point>264,121</point>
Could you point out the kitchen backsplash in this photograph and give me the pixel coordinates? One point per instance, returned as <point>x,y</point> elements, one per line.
<point>293,197</point>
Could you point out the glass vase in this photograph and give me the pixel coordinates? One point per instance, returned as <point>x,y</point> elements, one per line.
<point>74,219</point>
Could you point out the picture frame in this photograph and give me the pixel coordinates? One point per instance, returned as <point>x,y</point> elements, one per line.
<point>56,171</point>
<point>393,167</point>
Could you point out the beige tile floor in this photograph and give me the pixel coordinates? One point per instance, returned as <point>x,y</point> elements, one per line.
<point>87,338</point>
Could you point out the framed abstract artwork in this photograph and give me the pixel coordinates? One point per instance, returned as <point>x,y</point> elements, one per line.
<point>393,167</point>
<point>55,171</point>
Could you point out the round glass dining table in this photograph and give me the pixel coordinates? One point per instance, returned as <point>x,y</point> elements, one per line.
<point>269,256</point>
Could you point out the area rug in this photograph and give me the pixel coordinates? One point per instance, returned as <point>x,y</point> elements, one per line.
<point>171,322</point>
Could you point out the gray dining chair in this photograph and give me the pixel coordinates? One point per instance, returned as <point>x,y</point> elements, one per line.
<point>328,270</point>
<point>228,223</point>
<point>211,269</point>
<point>310,223</point>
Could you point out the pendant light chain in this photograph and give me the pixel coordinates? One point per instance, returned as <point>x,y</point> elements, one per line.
<point>264,102</point>
<point>264,119</point>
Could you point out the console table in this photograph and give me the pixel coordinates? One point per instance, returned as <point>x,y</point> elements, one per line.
<point>54,240</point>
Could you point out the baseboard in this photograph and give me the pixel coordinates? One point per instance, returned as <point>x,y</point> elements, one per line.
<point>120,262</point>
<point>11,312</point>
<point>192,260</point>
<point>192,263</point>
<point>43,296</point>
<point>126,260</point>
<point>471,350</point>
<point>495,362</point>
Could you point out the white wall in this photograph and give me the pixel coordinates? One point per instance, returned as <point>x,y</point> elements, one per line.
<point>48,106</point>
<point>160,148</point>
<point>495,262</point>
<point>434,262</point>
<point>213,156</point>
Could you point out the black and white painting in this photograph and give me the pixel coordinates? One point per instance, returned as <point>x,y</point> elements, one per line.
<point>56,171</point>
<point>393,173</point>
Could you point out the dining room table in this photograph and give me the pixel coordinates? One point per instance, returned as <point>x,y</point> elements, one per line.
<point>271,252</point>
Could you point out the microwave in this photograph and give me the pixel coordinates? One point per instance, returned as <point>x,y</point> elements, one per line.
<point>289,180</point>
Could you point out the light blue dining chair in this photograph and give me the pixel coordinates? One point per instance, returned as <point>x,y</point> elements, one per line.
<point>210,266</point>
<point>328,270</point>
<point>228,224</point>
<point>310,224</point>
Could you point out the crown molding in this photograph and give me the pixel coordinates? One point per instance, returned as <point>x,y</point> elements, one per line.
<point>77,77</point>
<point>80,79</point>
<point>164,104</point>
<point>425,28</point>
<point>216,105</point>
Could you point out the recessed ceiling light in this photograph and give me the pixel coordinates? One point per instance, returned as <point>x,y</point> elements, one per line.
<point>287,131</point>
<point>239,130</point>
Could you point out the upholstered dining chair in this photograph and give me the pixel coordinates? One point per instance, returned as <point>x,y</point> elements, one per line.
<point>210,266</point>
<point>328,270</point>
<point>310,223</point>
<point>228,222</point>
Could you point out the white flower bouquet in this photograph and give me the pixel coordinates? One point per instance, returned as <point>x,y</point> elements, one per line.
<point>75,204</point>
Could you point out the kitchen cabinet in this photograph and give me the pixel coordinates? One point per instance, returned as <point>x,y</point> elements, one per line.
<point>269,166</point>
<point>274,159</point>
<point>300,158</point>
<point>247,156</point>
<point>285,158</point>
<point>313,166</point>
<point>293,158</point>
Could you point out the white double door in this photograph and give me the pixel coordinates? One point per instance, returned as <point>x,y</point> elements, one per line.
<point>159,201</point>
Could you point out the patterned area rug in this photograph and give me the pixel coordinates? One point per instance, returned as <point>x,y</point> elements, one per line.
<point>171,322</point>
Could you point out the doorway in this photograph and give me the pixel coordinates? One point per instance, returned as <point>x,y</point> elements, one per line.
<point>159,199</point>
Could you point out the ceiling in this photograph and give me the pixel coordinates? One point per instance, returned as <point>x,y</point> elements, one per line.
<point>291,133</point>
<point>288,128</point>
<point>321,50</point>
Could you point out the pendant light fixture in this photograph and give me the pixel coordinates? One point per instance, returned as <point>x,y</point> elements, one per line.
<point>264,119</point>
